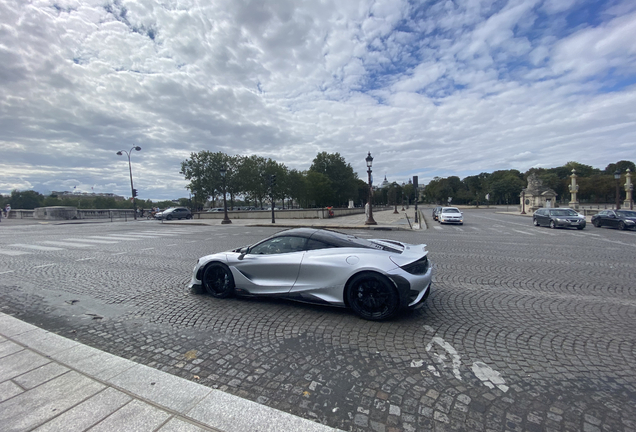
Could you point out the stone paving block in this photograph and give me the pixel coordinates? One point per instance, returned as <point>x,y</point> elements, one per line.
<point>41,375</point>
<point>93,362</point>
<point>232,414</point>
<point>161,388</point>
<point>45,342</point>
<point>179,425</point>
<point>10,326</point>
<point>7,348</point>
<point>8,389</point>
<point>41,404</point>
<point>87,413</point>
<point>136,416</point>
<point>19,363</point>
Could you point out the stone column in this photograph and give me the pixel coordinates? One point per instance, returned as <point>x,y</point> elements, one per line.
<point>629,202</point>
<point>574,188</point>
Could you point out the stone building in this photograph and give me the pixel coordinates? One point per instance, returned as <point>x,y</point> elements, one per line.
<point>536,195</point>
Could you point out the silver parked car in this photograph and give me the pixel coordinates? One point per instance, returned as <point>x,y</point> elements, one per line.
<point>375,278</point>
<point>558,217</point>
<point>174,213</point>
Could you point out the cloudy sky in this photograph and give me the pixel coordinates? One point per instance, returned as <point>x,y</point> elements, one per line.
<point>430,88</point>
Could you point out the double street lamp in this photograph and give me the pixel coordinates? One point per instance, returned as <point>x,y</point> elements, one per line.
<point>226,220</point>
<point>133,191</point>
<point>370,220</point>
<point>617,176</point>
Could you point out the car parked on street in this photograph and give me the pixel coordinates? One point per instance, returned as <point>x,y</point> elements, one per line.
<point>621,219</point>
<point>436,211</point>
<point>174,213</point>
<point>450,215</point>
<point>376,278</point>
<point>558,218</point>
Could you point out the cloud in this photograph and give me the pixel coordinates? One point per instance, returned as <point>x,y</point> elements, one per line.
<point>430,88</point>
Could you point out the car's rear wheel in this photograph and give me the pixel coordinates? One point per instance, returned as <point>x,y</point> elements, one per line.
<point>218,280</point>
<point>552,225</point>
<point>621,225</point>
<point>189,217</point>
<point>372,296</point>
<point>535,222</point>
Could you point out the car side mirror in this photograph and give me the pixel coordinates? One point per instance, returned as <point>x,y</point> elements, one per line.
<point>244,251</point>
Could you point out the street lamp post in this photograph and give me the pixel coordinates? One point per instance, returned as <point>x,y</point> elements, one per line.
<point>370,220</point>
<point>226,220</point>
<point>403,196</point>
<point>133,192</point>
<point>523,202</point>
<point>617,177</point>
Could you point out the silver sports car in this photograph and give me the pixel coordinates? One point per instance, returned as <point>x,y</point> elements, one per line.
<point>376,278</point>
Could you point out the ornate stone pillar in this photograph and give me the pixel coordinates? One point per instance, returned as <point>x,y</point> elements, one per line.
<point>574,188</point>
<point>629,202</point>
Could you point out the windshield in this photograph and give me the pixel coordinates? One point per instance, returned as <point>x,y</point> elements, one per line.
<point>450,210</point>
<point>627,213</point>
<point>563,212</point>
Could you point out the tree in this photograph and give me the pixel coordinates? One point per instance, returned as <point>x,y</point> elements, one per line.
<point>319,191</point>
<point>339,173</point>
<point>622,167</point>
<point>25,200</point>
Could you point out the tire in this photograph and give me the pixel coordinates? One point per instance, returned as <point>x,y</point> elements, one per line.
<point>189,217</point>
<point>169,217</point>
<point>218,280</point>
<point>580,228</point>
<point>621,226</point>
<point>597,223</point>
<point>372,297</point>
<point>552,225</point>
<point>535,222</point>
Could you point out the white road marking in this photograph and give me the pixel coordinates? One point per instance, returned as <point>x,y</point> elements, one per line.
<point>459,229</point>
<point>146,249</point>
<point>438,227</point>
<point>120,253</point>
<point>36,247</point>
<point>174,244</point>
<point>135,236</point>
<point>45,265</point>
<point>489,377</point>
<point>523,232</point>
<point>441,358</point>
<point>59,243</point>
<point>85,259</point>
<point>13,253</point>
<point>8,271</point>
<point>113,238</point>
<point>85,240</point>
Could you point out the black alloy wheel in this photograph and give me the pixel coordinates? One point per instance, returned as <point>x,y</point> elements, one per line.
<point>218,280</point>
<point>597,223</point>
<point>372,297</point>
<point>552,225</point>
<point>621,226</point>
<point>535,222</point>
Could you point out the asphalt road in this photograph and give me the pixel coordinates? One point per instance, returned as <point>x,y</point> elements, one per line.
<point>527,329</point>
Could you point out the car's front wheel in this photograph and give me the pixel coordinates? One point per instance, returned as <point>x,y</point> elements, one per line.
<point>373,297</point>
<point>621,225</point>
<point>169,217</point>
<point>597,223</point>
<point>218,280</point>
<point>535,222</point>
<point>552,225</point>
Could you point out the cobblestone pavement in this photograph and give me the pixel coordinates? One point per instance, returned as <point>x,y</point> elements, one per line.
<point>527,329</point>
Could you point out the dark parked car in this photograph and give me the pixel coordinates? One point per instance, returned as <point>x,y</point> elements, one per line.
<point>174,213</point>
<point>558,217</point>
<point>436,211</point>
<point>621,219</point>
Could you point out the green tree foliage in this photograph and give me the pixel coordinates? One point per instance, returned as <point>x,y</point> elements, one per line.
<point>339,173</point>
<point>622,167</point>
<point>25,199</point>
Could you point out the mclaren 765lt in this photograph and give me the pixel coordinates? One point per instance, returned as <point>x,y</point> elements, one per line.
<point>376,278</point>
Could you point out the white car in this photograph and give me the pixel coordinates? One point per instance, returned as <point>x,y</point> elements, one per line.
<point>450,215</point>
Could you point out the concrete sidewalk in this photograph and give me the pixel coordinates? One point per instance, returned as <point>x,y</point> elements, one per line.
<point>51,383</point>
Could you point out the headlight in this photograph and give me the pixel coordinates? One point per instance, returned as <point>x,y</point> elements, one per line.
<point>629,222</point>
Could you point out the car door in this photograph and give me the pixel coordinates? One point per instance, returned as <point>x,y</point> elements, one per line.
<point>540,217</point>
<point>270,267</point>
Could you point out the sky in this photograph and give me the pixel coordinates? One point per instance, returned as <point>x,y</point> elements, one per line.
<point>430,88</point>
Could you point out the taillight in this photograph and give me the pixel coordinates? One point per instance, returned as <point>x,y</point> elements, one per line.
<point>418,267</point>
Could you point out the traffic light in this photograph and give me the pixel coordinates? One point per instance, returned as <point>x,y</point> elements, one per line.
<point>134,191</point>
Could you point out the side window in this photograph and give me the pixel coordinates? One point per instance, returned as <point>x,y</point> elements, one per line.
<point>316,244</point>
<point>279,245</point>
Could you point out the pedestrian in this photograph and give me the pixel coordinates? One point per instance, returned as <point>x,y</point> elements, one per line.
<point>7,209</point>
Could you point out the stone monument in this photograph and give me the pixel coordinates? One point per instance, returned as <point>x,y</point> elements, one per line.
<point>574,188</point>
<point>536,195</point>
